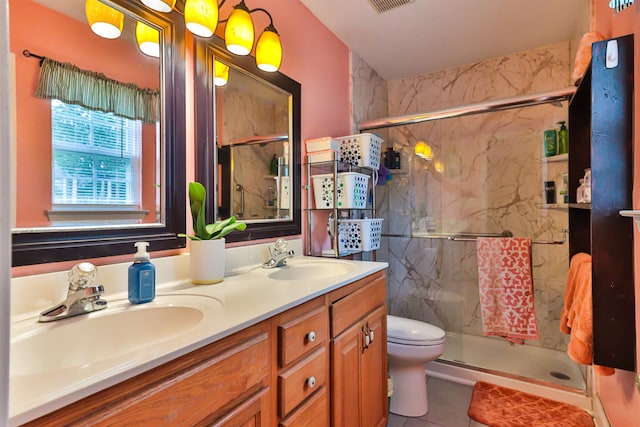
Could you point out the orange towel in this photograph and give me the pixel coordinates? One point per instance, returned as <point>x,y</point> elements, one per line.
<point>576,318</point>
<point>506,288</point>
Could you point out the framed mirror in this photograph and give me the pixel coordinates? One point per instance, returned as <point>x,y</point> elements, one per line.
<point>99,129</point>
<point>247,142</point>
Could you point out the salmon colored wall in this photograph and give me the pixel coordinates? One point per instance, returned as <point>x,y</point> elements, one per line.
<point>50,34</point>
<point>619,395</point>
<point>313,56</point>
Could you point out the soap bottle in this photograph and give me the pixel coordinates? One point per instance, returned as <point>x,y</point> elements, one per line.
<point>563,139</point>
<point>550,142</point>
<point>142,276</point>
<point>273,166</point>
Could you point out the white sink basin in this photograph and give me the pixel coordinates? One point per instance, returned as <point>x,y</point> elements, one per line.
<point>121,331</point>
<point>309,271</point>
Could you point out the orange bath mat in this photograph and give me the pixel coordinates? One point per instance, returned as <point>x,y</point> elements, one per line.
<point>498,406</point>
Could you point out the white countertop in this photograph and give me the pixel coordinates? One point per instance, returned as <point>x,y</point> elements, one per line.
<point>244,298</point>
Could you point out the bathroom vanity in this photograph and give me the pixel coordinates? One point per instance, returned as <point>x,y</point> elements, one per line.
<point>301,345</point>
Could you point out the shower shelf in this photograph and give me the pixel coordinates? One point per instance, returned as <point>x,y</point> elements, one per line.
<point>556,158</point>
<point>585,206</point>
<point>561,206</point>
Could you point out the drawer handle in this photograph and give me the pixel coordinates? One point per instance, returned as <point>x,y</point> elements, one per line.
<point>311,381</point>
<point>311,336</point>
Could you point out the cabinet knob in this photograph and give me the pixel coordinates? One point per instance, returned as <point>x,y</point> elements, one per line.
<point>311,336</point>
<point>311,381</point>
<point>371,335</point>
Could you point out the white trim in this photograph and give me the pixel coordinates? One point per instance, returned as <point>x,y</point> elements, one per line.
<point>599,416</point>
<point>5,212</point>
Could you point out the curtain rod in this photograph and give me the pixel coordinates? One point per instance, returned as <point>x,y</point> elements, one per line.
<point>466,110</point>
<point>28,54</point>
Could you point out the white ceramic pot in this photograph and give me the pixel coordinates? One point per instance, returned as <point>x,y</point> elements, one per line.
<point>207,261</point>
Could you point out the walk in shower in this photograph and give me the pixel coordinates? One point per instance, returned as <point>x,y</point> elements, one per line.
<point>483,176</point>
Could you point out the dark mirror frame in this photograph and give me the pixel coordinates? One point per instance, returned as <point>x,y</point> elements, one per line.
<point>52,246</point>
<point>205,127</point>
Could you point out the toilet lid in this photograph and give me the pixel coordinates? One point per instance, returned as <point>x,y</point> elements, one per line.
<point>413,332</point>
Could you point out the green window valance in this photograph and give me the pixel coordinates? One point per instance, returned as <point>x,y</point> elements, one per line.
<point>96,91</point>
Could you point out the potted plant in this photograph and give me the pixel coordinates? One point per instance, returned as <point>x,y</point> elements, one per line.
<point>207,257</point>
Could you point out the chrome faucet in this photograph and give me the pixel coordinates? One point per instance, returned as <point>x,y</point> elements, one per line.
<point>82,297</point>
<point>279,255</point>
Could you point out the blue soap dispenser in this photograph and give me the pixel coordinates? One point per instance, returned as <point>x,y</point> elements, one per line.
<point>142,276</point>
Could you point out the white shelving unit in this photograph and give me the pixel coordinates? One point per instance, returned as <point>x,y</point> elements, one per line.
<point>323,218</point>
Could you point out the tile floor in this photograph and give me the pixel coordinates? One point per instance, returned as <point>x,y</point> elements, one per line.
<point>448,405</point>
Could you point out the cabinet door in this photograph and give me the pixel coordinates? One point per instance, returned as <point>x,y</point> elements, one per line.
<point>346,351</point>
<point>251,413</point>
<point>373,371</point>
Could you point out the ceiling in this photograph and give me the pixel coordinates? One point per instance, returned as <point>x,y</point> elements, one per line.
<point>430,35</point>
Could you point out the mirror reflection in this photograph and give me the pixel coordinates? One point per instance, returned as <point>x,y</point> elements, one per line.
<point>252,138</point>
<point>86,122</point>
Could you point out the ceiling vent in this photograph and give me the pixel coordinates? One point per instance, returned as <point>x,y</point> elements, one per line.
<point>384,5</point>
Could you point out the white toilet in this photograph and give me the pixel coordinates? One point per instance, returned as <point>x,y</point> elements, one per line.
<point>410,345</point>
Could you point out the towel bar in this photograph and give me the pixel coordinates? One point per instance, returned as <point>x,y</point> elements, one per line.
<point>466,238</point>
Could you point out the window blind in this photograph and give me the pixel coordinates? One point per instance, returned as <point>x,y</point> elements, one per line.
<point>96,157</point>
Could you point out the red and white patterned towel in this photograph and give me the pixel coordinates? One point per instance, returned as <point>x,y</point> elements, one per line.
<point>506,288</point>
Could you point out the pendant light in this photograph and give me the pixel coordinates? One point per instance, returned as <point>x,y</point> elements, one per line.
<point>238,33</point>
<point>165,6</point>
<point>269,50</point>
<point>148,39</point>
<point>221,73</point>
<point>104,20</point>
<point>201,17</point>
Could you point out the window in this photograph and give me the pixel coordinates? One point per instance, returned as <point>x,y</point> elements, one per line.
<point>96,158</point>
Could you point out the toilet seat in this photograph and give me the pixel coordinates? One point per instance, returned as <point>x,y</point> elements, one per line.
<point>413,332</point>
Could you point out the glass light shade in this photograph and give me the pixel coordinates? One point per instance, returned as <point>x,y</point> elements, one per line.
<point>438,166</point>
<point>269,51</point>
<point>424,150</point>
<point>221,73</point>
<point>165,6</point>
<point>104,20</point>
<point>201,17</point>
<point>238,34</point>
<point>148,39</point>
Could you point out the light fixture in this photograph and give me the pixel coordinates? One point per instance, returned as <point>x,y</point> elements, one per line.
<point>148,39</point>
<point>104,20</point>
<point>221,73</point>
<point>238,33</point>
<point>424,150</point>
<point>201,17</point>
<point>269,50</point>
<point>438,166</point>
<point>165,6</point>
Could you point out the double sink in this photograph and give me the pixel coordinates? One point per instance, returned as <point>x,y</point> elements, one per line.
<point>52,363</point>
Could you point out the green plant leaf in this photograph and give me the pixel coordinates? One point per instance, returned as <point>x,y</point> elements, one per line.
<point>240,226</point>
<point>197,196</point>
<point>215,228</point>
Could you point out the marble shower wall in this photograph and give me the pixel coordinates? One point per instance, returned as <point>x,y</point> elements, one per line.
<point>486,176</point>
<point>244,115</point>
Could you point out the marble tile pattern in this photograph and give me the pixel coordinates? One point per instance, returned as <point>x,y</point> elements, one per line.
<point>486,176</point>
<point>245,115</point>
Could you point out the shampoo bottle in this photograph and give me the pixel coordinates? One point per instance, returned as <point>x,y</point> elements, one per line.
<point>563,139</point>
<point>142,276</point>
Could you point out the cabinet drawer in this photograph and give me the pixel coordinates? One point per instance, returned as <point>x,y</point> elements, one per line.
<point>312,413</point>
<point>301,380</point>
<point>301,335</point>
<point>353,307</point>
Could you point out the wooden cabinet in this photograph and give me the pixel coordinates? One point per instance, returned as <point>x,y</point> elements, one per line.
<point>223,384</point>
<point>303,364</point>
<point>359,354</point>
<point>277,372</point>
<point>601,138</point>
